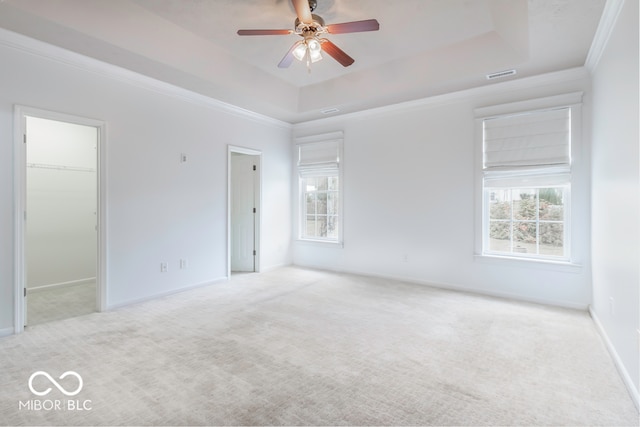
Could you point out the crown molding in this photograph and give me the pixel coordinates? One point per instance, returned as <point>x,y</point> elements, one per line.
<point>60,55</point>
<point>612,9</point>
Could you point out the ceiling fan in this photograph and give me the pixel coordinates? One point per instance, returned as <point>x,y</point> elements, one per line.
<point>311,27</point>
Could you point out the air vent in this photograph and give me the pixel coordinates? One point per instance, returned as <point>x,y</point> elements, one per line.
<point>329,111</point>
<point>501,74</point>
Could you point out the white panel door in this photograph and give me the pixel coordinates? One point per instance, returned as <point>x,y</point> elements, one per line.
<point>242,212</point>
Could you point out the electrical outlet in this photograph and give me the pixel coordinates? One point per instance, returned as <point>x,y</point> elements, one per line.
<point>164,267</point>
<point>183,264</point>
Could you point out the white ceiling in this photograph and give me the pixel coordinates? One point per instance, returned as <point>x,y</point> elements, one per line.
<point>423,48</point>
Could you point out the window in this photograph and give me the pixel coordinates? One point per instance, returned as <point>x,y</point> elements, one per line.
<point>321,207</point>
<point>320,190</point>
<point>526,184</point>
<point>527,221</point>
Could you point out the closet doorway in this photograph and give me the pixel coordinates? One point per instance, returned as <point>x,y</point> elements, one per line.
<point>244,210</point>
<point>59,265</point>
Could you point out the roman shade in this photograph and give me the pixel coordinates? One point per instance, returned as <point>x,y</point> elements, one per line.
<point>318,157</point>
<point>528,140</point>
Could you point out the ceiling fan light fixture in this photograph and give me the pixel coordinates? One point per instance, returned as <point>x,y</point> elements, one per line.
<point>314,45</point>
<point>300,51</point>
<point>308,49</point>
<point>315,55</point>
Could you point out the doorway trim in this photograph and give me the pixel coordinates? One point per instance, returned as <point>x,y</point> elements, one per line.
<point>258,203</point>
<point>20,197</point>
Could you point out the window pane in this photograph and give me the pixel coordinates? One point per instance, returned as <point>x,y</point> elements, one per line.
<point>311,226</point>
<point>311,203</point>
<point>500,236</point>
<point>310,184</point>
<point>551,204</point>
<point>524,237</point>
<point>332,203</point>
<point>552,195</point>
<point>551,239</point>
<point>500,204</point>
<point>524,204</point>
<point>321,226</point>
<point>333,183</point>
<point>322,183</point>
<point>322,203</point>
<point>332,227</point>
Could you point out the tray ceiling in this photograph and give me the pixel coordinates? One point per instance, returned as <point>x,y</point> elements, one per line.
<point>423,47</point>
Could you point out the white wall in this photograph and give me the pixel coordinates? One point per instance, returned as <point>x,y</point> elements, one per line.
<point>410,188</point>
<point>158,209</point>
<point>61,238</point>
<point>616,192</point>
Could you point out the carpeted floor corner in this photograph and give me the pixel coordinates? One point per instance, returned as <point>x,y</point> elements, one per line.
<point>303,347</point>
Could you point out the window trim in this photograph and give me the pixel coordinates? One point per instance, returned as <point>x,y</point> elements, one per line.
<point>332,137</point>
<point>574,255</point>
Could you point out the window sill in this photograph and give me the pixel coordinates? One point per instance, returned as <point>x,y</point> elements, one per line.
<point>542,264</point>
<point>326,243</point>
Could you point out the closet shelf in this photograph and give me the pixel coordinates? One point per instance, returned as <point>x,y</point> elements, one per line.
<point>59,167</point>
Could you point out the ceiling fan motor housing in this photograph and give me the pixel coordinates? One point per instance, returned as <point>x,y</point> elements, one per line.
<point>316,24</point>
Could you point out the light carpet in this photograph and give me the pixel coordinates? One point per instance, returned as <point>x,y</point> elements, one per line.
<point>61,302</point>
<point>303,347</point>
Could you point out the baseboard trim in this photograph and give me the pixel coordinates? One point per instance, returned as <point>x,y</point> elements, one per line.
<point>167,293</point>
<point>457,288</point>
<point>626,378</point>
<point>6,332</point>
<point>61,285</point>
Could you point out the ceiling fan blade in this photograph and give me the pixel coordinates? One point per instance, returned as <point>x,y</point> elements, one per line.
<point>303,11</point>
<point>354,27</point>
<point>263,32</point>
<point>288,58</point>
<point>337,53</point>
